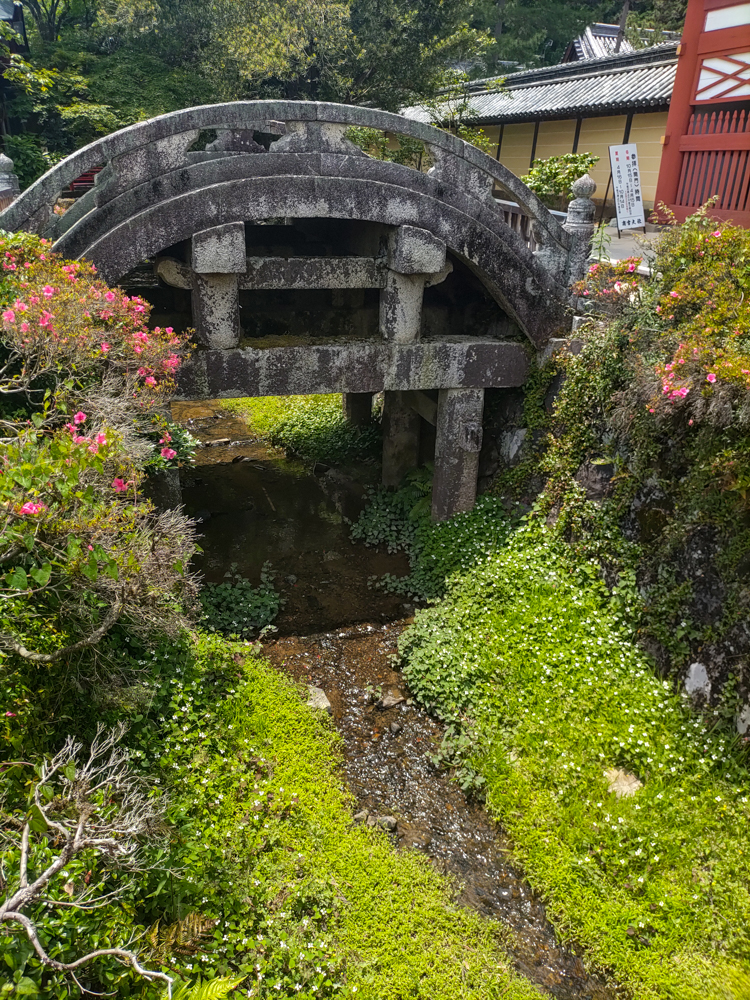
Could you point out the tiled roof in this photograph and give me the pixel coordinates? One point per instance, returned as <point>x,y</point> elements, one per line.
<point>599,40</point>
<point>612,85</point>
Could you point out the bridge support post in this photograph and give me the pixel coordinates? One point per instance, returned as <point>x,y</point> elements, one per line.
<point>357,408</point>
<point>400,438</point>
<point>218,259</point>
<point>459,441</point>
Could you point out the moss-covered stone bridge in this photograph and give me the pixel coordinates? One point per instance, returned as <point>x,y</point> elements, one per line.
<point>307,266</point>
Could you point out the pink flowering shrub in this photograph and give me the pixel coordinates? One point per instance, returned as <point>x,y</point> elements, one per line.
<point>82,390</point>
<point>660,398</point>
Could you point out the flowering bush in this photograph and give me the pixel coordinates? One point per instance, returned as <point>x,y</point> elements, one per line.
<point>83,385</point>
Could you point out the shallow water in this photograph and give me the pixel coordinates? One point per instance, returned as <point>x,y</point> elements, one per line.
<point>337,633</point>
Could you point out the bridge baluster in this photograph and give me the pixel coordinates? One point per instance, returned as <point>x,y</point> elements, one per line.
<point>218,258</point>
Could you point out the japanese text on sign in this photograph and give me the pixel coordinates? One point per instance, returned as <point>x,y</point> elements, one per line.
<point>626,183</point>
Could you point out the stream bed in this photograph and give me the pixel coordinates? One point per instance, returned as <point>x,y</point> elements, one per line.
<point>338,633</point>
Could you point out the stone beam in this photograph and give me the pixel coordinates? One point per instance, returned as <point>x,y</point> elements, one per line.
<point>361,366</point>
<point>274,273</point>
<point>423,405</point>
<point>457,447</point>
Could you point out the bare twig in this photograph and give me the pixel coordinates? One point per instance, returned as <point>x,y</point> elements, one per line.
<point>91,640</point>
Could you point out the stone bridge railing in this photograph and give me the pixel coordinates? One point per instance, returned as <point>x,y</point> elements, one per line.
<point>130,155</point>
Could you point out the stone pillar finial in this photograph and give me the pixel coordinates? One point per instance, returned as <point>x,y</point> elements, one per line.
<point>9,187</point>
<point>580,223</point>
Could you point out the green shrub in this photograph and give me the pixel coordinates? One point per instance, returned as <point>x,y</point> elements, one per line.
<point>400,520</point>
<point>552,179</point>
<point>236,608</point>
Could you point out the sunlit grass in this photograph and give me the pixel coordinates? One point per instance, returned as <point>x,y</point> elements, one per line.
<point>310,427</point>
<point>655,886</point>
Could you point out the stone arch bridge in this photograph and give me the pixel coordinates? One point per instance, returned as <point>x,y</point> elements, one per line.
<point>421,288</point>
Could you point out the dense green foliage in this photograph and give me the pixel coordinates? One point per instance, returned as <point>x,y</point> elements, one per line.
<point>528,652</point>
<point>659,396</point>
<point>400,522</point>
<point>552,179</point>
<point>235,608</point>
<point>311,427</point>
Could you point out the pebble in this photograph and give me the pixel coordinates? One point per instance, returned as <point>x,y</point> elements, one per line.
<point>390,700</point>
<point>395,728</point>
<point>361,816</point>
<point>319,699</point>
<point>387,822</point>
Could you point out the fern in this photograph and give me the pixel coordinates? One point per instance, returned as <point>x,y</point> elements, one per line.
<point>214,989</point>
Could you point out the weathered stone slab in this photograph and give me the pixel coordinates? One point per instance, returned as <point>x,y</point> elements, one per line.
<point>220,250</point>
<point>312,272</point>
<point>357,367</point>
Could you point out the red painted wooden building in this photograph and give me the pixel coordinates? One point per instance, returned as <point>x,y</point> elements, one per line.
<point>707,140</point>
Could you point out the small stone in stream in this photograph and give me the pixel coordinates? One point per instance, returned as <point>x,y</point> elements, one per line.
<point>387,822</point>
<point>318,699</point>
<point>390,700</point>
<point>395,728</point>
<point>291,578</point>
<point>361,817</point>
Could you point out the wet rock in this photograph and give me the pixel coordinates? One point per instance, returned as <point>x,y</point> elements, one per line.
<point>387,823</point>
<point>697,683</point>
<point>743,720</point>
<point>622,783</point>
<point>395,728</point>
<point>595,479</point>
<point>390,699</point>
<point>319,699</point>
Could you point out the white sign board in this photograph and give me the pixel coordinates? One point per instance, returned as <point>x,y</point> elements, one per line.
<point>626,183</point>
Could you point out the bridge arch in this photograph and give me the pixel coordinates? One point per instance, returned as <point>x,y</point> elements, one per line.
<point>163,184</point>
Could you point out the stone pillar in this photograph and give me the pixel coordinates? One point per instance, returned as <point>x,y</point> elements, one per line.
<point>581,224</point>
<point>218,258</point>
<point>357,408</point>
<point>413,255</point>
<point>400,438</point>
<point>459,441</point>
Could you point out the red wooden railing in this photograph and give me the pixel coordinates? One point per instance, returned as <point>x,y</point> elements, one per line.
<point>716,161</point>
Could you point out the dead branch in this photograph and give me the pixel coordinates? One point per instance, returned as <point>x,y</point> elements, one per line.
<point>100,805</point>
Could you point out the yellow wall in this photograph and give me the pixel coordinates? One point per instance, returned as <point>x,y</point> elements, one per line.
<point>597,135</point>
<point>647,131</point>
<point>555,138</point>
<point>515,152</point>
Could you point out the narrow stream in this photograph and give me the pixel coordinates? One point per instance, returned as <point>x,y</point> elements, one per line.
<point>338,634</point>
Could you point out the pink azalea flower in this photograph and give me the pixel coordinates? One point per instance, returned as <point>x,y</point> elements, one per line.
<point>110,296</point>
<point>32,508</point>
<point>631,267</point>
<point>168,453</point>
<point>48,291</point>
<point>716,233</point>
<point>10,715</point>
<point>120,485</point>
<point>710,377</point>
<point>674,295</point>
<point>24,327</point>
<point>104,346</point>
<point>9,316</point>
<point>79,417</point>
<point>151,380</point>
<point>101,438</point>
